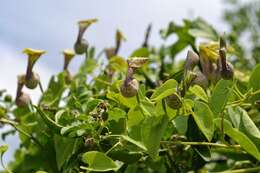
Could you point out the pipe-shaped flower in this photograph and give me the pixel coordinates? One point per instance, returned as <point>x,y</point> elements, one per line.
<point>119,38</point>
<point>68,56</point>
<point>33,55</point>
<point>130,86</point>
<point>31,78</point>
<point>81,44</point>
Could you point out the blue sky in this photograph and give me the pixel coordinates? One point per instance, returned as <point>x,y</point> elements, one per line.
<point>52,26</point>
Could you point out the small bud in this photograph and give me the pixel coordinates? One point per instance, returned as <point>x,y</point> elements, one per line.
<point>8,98</point>
<point>81,46</point>
<point>174,101</point>
<point>257,104</point>
<point>33,81</point>
<point>191,61</point>
<point>68,56</point>
<point>129,88</point>
<point>23,99</point>
<point>200,80</point>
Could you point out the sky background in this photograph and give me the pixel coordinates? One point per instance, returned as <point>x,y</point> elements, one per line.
<point>52,26</point>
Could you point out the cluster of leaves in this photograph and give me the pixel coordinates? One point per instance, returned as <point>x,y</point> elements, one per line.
<point>243,20</point>
<point>86,122</point>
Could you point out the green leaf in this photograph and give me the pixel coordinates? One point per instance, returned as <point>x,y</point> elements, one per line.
<point>204,119</point>
<point>152,131</point>
<point>135,117</point>
<point>181,124</point>
<point>3,149</point>
<point>239,137</point>
<point>64,148</point>
<point>199,92</point>
<point>99,162</point>
<point>220,96</point>
<point>254,82</point>
<point>241,120</point>
<point>117,63</point>
<point>116,114</point>
<point>202,29</point>
<point>165,89</point>
<point>48,121</point>
<point>137,143</point>
<point>56,86</point>
<point>141,52</point>
<point>117,97</point>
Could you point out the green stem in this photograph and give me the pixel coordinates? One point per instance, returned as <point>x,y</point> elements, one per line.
<point>41,88</point>
<point>3,165</point>
<point>201,143</point>
<point>113,147</point>
<point>244,170</point>
<point>14,124</point>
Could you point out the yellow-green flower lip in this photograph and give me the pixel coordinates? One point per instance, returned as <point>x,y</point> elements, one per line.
<point>120,35</point>
<point>68,53</point>
<point>86,23</point>
<point>33,52</point>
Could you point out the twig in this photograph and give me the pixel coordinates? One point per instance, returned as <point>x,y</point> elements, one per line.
<point>201,143</point>
<point>244,170</point>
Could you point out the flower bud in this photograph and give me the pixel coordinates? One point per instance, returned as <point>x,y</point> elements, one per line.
<point>129,88</point>
<point>228,72</point>
<point>81,46</point>
<point>257,104</point>
<point>8,98</point>
<point>191,61</point>
<point>200,80</point>
<point>32,81</point>
<point>23,99</point>
<point>174,101</point>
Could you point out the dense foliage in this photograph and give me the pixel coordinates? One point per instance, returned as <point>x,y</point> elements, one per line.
<point>149,113</point>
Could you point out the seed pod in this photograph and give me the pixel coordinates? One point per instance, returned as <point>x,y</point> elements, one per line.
<point>23,99</point>
<point>174,101</point>
<point>81,46</point>
<point>228,72</point>
<point>191,61</point>
<point>129,88</point>
<point>200,80</point>
<point>32,81</point>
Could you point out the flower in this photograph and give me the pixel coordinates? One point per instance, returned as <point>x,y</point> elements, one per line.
<point>33,54</point>
<point>87,23</point>
<point>68,56</point>
<point>120,36</point>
